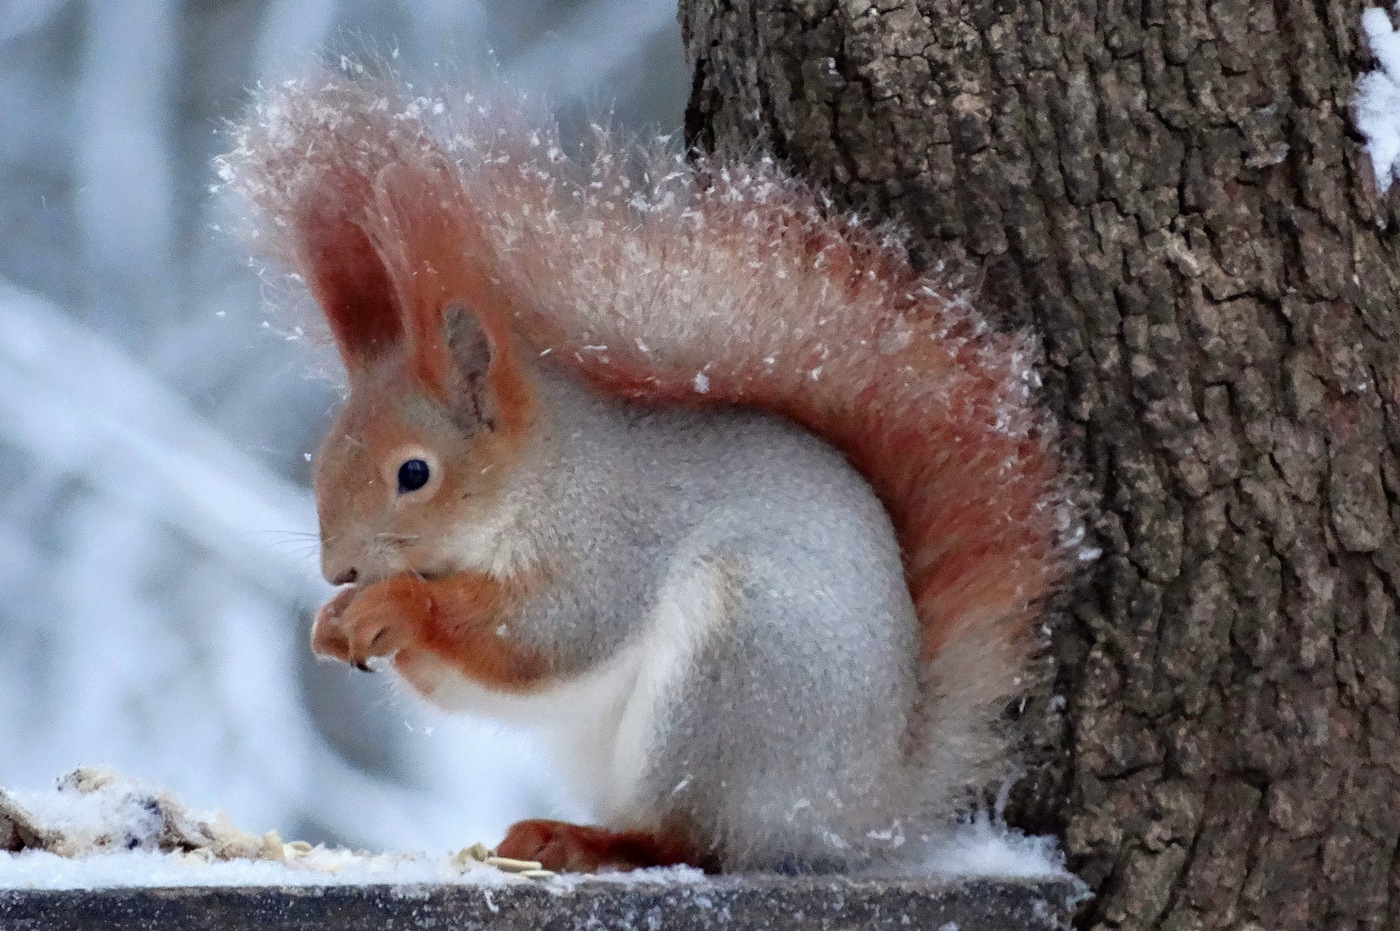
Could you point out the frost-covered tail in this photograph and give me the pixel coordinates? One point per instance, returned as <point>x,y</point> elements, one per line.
<point>716,284</point>
<point>737,284</point>
<point>697,284</point>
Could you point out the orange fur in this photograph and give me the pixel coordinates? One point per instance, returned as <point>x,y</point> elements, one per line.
<point>338,262</point>
<point>557,845</point>
<point>967,470</point>
<point>474,466</point>
<point>455,618</point>
<point>437,255</point>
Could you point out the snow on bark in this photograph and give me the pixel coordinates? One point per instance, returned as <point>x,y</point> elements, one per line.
<point>1378,98</point>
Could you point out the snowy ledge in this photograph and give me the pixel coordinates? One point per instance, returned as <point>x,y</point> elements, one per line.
<point>772,903</point>
<point>100,850</point>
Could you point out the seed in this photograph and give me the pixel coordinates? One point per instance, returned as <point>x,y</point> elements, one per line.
<point>476,853</point>
<point>513,866</point>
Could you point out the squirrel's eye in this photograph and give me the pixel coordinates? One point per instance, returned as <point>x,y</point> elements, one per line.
<point>413,475</point>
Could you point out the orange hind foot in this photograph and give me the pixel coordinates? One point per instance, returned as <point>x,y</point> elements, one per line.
<point>576,848</point>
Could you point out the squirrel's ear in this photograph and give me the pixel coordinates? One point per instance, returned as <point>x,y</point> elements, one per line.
<point>344,271</point>
<point>485,383</point>
<point>444,273</point>
<point>469,347</point>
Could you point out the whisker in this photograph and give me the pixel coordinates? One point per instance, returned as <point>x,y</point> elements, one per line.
<point>289,546</point>
<point>292,546</point>
<point>397,537</point>
<point>291,534</point>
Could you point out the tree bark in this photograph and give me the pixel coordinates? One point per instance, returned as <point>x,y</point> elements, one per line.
<point>1170,193</point>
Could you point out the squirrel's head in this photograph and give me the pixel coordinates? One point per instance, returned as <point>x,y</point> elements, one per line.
<point>407,471</point>
<point>440,403</point>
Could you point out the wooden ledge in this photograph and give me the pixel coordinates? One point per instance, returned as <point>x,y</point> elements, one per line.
<point>769,903</point>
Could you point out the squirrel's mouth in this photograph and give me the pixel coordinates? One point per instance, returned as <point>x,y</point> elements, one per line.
<point>434,574</point>
<point>365,581</point>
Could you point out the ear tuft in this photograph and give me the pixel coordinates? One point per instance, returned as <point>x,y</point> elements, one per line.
<point>344,272</point>
<point>308,162</point>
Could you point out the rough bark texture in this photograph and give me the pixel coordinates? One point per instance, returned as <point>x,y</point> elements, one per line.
<point>1169,191</point>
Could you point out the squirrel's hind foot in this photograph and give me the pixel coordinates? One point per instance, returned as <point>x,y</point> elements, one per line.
<point>575,848</point>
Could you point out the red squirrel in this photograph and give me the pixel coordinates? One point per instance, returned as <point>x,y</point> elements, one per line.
<point>670,462</point>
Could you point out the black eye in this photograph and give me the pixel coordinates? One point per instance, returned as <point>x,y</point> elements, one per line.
<point>413,475</point>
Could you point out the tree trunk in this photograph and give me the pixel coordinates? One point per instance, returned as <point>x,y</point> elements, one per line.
<point>1170,193</point>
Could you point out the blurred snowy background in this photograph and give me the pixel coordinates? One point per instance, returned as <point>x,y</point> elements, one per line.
<point>157,538</point>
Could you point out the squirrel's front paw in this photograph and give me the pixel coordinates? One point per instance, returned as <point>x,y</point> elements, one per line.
<point>327,637</point>
<point>378,620</point>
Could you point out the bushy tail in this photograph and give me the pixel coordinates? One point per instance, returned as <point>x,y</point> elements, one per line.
<point>718,284</point>
<point>738,285</point>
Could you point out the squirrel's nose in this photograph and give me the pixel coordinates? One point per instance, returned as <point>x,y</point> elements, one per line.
<point>346,577</point>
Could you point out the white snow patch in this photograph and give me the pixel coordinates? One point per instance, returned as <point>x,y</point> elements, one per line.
<point>1378,98</point>
<point>96,829</point>
<point>985,846</point>
<point>112,832</point>
<point>37,869</point>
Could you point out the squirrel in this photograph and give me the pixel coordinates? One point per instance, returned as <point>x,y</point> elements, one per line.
<point>668,461</point>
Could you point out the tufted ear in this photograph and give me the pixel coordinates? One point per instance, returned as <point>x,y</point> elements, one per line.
<point>453,296</point>
<point>343,270</point>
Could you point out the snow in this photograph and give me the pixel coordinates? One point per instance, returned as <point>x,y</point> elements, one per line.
<point>978,853</point>
<point>1378,98</point>
<point>981,853</point>
<point>984,846</point>
<point>41,870</point>
<point>96,829</point>
<point>153,869</point>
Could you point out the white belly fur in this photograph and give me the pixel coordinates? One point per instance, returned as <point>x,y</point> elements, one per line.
<point>602,727</point>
